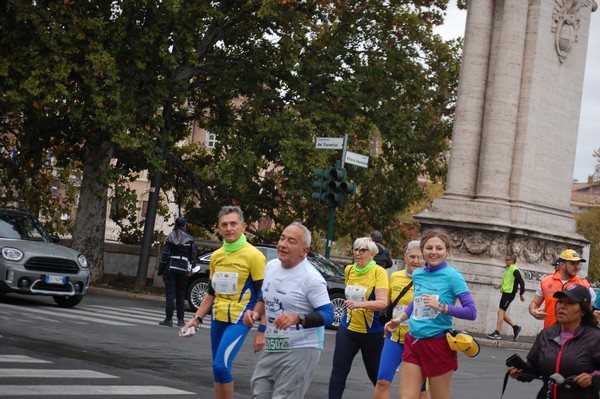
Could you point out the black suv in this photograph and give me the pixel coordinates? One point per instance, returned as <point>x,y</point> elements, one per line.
<point>197,283</point>
<point>32,263</point>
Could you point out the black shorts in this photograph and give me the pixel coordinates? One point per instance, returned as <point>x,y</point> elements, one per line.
<point>506,299</point>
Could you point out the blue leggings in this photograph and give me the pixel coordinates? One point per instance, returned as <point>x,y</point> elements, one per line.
<point>391,357</point>
<point>347,345</point>
<point>226,340</point>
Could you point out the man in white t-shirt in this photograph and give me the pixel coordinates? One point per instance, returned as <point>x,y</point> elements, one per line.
<point>293,307</point>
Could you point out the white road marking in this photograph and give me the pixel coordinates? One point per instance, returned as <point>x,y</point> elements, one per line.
<point>41,373</point>
<point>20,359</point>
<point>48,311</point>
<point>89,390</point>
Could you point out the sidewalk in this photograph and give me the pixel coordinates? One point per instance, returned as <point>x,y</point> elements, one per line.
<point>524,343</point>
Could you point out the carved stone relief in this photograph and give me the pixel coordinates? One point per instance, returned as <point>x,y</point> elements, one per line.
<point>567,21</point>
<point>493,244</point>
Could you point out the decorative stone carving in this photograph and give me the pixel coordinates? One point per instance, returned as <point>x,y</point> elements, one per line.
<point>567,23</point>
<point>477,242</point>
<point>495,245</point>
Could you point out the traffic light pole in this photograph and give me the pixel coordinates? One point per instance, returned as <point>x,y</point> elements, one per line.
<point>329,191</point>
<point>330,231</point>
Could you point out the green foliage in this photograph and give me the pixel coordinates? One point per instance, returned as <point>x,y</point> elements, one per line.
<point>371,70</point>
<point>588,225</point>
<point>267,77</point>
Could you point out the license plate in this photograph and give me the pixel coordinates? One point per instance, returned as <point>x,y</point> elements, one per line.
<point>62,280</point>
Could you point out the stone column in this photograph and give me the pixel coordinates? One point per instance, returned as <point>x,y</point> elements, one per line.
<point>502,101</point>
<point>513,148</point>
<point>466,138</point>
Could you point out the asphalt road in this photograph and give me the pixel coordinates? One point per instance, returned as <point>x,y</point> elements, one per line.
<point>112,347</point>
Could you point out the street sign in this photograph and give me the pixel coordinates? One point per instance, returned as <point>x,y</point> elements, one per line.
<point>357,159</point>
<point>330,143</point>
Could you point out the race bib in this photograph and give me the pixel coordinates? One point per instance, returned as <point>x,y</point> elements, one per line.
<point>422,312</point>
<point>277,340</point>
<point>225,283</point>
<point>398,310</point>
<point>356,293</point>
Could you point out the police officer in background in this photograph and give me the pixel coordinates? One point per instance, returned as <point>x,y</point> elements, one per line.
<point>383,257</point>
<point>177,259</point>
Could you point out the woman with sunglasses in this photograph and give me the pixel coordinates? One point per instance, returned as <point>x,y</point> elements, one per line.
<point>360,328</point>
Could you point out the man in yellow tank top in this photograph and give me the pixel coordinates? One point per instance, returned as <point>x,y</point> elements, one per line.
<point>512,281</point>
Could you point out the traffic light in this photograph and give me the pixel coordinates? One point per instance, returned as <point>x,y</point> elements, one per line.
<point>348,187</point>
<point>332,186</point>
<point>318,185</point>
<point>321,186</point>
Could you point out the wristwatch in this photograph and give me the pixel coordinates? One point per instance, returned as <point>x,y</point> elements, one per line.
<point>198,319</point>
<point>442,307</point>
<point>301,318</point>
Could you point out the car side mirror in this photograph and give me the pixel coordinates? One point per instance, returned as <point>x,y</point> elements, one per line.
<point>55,238</point>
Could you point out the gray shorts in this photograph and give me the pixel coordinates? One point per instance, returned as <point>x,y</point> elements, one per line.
<point>284,375</point>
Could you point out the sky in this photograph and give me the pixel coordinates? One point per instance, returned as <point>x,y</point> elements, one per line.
<point>589,122</point>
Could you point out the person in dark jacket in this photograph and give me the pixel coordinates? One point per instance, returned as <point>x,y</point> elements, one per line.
<point>566,355</point>
<point>383,258</point>
<point>178,257</point>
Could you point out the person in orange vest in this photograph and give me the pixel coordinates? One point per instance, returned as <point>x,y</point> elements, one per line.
<point>569,264</point>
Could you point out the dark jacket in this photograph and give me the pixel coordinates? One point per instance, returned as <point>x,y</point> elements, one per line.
<point>383,257</point>
<point>179,253</point>
<point>580,354</point>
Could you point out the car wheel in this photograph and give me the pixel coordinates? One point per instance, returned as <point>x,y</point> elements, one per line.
<point>337,301</point>
<point>67,301</point>
<point>196,292</point>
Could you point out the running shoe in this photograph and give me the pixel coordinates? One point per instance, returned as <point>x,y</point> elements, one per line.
<point>495,335</point>
<point>517,332</point>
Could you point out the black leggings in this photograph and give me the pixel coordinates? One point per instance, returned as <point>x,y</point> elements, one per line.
<point>347,345</point>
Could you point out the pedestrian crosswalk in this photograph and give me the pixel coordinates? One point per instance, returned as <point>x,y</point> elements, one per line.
<point>87,314</point>
<point>69,382</point>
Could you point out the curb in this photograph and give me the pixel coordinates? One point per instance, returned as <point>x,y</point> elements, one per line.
<point>522,345</point>
<point>125,294</point>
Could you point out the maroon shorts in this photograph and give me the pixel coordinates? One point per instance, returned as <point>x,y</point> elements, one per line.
<point>433,355</point>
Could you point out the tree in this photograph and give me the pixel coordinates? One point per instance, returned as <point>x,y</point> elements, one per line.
<point>588,225</point>
<point>371,69</point>
<point>91,82</point>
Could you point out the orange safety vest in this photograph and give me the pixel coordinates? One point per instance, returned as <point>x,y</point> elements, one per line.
<point>551,284</point>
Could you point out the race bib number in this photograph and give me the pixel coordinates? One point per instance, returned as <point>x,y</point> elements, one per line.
<point>277,340</point>
<point>422,312</point>
<point>356,293</point>
<point>398,310</point>
<point>225,283</point>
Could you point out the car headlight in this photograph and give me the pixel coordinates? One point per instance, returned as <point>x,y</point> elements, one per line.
<point>82,261</point>
<point>12,254</point>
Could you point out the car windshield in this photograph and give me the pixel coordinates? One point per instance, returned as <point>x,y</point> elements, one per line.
<point>21,227</point>
<point>325,266</point>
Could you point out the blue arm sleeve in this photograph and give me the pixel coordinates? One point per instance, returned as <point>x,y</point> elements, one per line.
<point>326,312</point>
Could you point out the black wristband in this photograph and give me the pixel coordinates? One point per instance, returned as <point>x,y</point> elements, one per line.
<point>314,319</point>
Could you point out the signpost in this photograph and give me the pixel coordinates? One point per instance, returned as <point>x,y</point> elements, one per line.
<point>357,159</point>
<point>330,143</point>
<point>332,186</point>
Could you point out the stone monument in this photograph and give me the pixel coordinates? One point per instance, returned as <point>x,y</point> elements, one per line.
<point>513,147</point>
